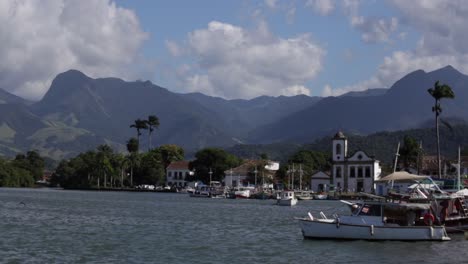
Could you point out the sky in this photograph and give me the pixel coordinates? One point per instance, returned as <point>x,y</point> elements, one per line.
<point>231,48</point>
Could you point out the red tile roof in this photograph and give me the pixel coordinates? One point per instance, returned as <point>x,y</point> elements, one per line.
<point>178,165</point>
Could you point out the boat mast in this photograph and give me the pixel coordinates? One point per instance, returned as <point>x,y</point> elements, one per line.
<point>300,176</point>
<point>292,178</point>
<point>396,160</point>
<point>458,169</point>
<point>255,172</point>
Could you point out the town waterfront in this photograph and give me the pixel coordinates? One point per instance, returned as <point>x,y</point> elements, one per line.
<point>50,225</point>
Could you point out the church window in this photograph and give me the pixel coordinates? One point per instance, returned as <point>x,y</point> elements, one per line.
<point>359,172</point>
<point>352,172</point>
<point>338,172</point>
<point>338,149</point>
<point>367,172</point>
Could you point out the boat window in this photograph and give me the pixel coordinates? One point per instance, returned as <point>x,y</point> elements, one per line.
<point>371,210</point>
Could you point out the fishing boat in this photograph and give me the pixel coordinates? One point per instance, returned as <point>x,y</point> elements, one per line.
<point>286,198</point>
<point>244,192</point>
<point>321,196</point>
<point>304,195</point>
<point>376,220</point>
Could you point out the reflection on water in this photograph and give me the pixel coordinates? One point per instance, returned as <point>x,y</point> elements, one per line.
<point>47,225</point>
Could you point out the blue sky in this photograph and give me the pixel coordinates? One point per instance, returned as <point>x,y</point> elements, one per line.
<point>231,49</point>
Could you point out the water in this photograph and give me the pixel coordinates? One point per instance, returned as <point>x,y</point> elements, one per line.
<point>57,226</point>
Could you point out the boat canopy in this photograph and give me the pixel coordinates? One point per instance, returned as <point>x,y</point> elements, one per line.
<point>402,176</point>
<point>408,206</point>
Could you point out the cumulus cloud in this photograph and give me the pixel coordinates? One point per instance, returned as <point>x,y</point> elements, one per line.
<point>322,7</point>
<point>442,25</point>
<point>43,38</point>
<point>233,62</point>
<point>271,3</point>
<point>373,29</point>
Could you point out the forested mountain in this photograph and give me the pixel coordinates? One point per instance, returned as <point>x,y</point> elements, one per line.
<point>78,113</point>
<point>406,105</point>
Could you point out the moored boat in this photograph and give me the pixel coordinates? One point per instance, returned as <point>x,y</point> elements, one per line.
<point>377,221</point>
<point>304,195</point>
<point>286,198</point>
<point>321,196</point>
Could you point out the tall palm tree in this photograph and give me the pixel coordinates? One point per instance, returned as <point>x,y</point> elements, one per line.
<point>153,123</point>
<point>139,125</point>
<point>438,92</point>
<point>132,147</point>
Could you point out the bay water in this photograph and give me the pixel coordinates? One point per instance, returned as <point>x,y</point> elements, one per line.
<point>61,226</point>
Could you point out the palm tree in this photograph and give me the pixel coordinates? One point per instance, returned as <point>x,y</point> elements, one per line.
<point>438,92</point>
<point>103,161</point>
<point>153,123</point>
<point>132,147</point>
<point>139,125</point>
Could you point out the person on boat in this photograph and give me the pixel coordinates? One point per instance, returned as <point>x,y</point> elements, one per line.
<point>444,210</point>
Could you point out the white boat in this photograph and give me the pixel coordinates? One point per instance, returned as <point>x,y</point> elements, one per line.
<point>321,196</point>
<point>377,221</point>
<point>286,198</point>
<point>304,195</point>
<point>243,192</point>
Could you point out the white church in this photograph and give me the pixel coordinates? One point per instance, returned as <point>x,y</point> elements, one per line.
<point>353,173</point>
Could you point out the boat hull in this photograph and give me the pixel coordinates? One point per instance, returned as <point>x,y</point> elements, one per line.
<point>286,202</point>
<point>331,229</point>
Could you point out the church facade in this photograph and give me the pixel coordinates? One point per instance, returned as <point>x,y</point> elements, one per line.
<point>352,173</point>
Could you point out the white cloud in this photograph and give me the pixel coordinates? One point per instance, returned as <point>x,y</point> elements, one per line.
<point>322,7</point>
<point>444,41</point>
<point>237,63</point>
<point>290,15</point>
<point>271,3</point>
<point>43,38</point>
<point>361,86</point>
<point>173,48</point>
<point>295,90</point>
<point>373,29</point>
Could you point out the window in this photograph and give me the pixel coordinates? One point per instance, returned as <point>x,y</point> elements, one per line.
<point>338,172</point>
<point>359,172</point>
<point>367,172</point>
<point>352,172</point>
<point>169,174</point>
<point>338,149</point>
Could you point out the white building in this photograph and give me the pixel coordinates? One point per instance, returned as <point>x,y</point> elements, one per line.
<point>353,173</point>
<point>320,182</point>
<point>240,175</point>
<point>176,173</point>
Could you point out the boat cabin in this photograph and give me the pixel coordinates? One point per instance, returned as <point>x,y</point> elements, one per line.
<point>378,213</point>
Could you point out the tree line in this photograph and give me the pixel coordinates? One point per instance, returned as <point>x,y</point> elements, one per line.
<point>22,171</point>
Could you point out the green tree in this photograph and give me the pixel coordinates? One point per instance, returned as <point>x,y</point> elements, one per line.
<point>153,123</point>
<point>438,92</point>
<point>151,169</point>
<point>215,159</point>
<point>170,153</point>
<point>103,163</point>
<point>410,152</point>
<point>132,147</point>
<point>139,125</point>
<point>307,160</point>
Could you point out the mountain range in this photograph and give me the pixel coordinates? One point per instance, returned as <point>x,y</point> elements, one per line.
<point>78,113</point>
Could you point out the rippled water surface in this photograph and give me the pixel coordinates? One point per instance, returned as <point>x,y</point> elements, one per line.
<point>48,225</point>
